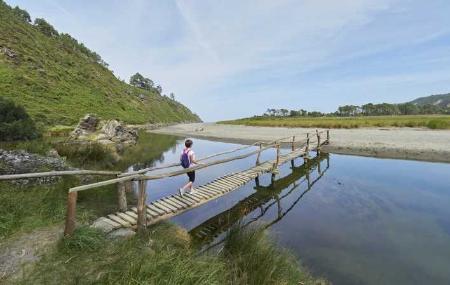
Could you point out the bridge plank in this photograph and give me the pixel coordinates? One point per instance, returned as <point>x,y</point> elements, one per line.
<point>119,220</point>
<point>192,197</point>
<point>176,202</point>
<point>163,207</point>
<point>126,218</point>
<point>155,209</point>
<point>185,199</point>
<point>174,206</point>
<point>152,213</point>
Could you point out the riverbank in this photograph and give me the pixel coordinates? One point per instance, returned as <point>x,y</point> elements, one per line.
<point>399,143</point>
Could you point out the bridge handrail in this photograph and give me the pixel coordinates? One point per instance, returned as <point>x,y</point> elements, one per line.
<point>168,174</point>
<point>57,173</point>
<point>141,171</point>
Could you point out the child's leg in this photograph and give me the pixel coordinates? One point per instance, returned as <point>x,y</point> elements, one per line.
<point>188,185</point>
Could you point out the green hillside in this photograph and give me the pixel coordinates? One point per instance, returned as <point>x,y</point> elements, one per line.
<point>59,80</point>
<point>442,100</point>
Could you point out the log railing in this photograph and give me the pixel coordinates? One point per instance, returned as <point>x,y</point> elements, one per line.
<point>142,176</point>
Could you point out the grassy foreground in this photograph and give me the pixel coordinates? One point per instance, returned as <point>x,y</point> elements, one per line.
<point>164,255</point>
<point>425,121</point>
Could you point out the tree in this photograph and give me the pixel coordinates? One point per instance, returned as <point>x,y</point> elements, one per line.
<point>140,81</point>
<point>15,123</point>
<point>172,96</point>
<point>45,27</point>
<point>159,89</point>
<point>23,14</point>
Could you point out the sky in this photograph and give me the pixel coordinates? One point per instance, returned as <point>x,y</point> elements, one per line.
<point>232,59</point>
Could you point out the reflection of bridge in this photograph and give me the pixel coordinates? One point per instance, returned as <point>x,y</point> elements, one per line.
<point>263,199</point>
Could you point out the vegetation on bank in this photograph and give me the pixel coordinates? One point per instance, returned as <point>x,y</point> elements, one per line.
<point>430,105</point>
<point>15,123</point>
<point>58,80</point>
<point>430,121</point>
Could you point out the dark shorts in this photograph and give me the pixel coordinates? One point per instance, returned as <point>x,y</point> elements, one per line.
<point>191,176</point>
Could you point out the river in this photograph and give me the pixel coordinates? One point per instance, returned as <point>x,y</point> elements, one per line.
<point>350,219</point>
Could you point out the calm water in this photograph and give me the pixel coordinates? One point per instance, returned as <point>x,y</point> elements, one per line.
<point>353,220</point>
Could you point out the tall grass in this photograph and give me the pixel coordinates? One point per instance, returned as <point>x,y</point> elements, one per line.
<point>423,121</point>
<point>164,255</point>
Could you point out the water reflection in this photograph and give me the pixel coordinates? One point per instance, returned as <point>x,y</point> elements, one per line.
<point>254,207</point>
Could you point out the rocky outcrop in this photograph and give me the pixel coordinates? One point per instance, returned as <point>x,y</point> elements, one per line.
<point>115,131</point>
<point>86,126</point>
<point>91,128</point>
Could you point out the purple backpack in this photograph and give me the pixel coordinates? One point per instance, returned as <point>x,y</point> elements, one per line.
<point>185,161</point>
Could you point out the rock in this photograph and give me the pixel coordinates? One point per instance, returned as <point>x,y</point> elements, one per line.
<point>120,148</point>
<point>122,233</point>
<point>20,161</point>
<point>111,132</point>
<point>8,52</point>
<point>102,225</point>
<point>141,96</point>
<point>53,153</point>
<point>87,125</point>
<point>118,133</point>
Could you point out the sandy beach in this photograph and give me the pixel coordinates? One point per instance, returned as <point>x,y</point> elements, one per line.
<point>402,143</point>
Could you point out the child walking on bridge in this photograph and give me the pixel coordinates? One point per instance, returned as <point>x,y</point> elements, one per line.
<point>187,159</point>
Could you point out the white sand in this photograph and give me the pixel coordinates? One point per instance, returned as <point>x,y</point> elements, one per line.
<point>405,143</point>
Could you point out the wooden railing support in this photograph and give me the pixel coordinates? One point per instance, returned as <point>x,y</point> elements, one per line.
<point>71,213</point>
<point>259,154</point>
<point>306,155</point>
<point>293,143</point>
<point>328,136</point>
<point>122,196</point>
<point>141,211</point>
<point>318,142</point>
<point>277,162</point>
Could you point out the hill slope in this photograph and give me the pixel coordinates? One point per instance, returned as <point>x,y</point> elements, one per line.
<point>442,100</point>
<point>58,80</point>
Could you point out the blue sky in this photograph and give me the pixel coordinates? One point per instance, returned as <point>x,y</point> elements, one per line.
<point>229,59</point>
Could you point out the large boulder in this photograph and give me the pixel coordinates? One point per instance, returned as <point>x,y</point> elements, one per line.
<point>118,133</point>
<point>86,126</point>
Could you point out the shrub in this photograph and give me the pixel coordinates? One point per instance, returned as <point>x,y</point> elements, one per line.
<point>15,123</point>
<point>438,124</point>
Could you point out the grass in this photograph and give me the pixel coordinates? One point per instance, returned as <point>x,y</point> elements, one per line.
<point>164,255</point>
<point>423,121</point>
<point>58,85</point>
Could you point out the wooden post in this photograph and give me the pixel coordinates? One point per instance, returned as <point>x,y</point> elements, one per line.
<point>328,136</point>
<point>293,143</point>
<point>278,155</point>
<point>71,213</point>
<point>141,211</point>
<point>306,156</point>
<point>128,186</point>
<point>257,181</point>
<point>318,142</point>
<point>259,154</point>
<point>122,196</point>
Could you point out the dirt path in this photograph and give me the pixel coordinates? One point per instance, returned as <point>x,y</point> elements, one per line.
<point>404,143</point>
<point>18,253</point>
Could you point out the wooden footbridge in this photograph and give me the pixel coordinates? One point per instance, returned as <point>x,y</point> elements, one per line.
<point>261,201</point>
<point>143,214</point>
